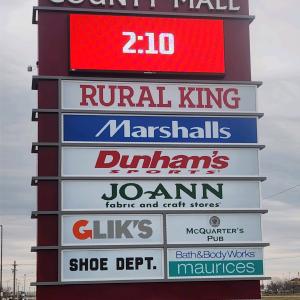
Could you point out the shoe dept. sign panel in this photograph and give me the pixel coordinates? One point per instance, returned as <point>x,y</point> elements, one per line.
<point>112,265</point>
<point>215,263</point>
<point>135,195</point>
<point>140,162</point>
<point>94,230</point>
<point>157,97</point>
<point>214,229</point>
<point>158,129</point>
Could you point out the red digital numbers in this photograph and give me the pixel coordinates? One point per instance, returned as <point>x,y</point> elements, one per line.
<point>146,44</point>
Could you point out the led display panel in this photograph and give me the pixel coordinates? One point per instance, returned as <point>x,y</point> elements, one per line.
<point>146,44</point>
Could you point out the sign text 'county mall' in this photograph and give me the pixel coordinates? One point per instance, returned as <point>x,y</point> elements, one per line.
<point>219,5</point>
<point>148,150</point>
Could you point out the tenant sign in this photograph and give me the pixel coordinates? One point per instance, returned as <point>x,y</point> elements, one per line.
<point>120,195</point>
<point>215,263</point>
<point>157,97</point>
<point>83,230</point>
<point>112,265</point>
<point>121,161</point>
<point>214,228</point>
<point>158,129</point>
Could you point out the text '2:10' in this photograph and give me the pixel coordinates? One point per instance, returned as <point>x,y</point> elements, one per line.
<point>164,43</point>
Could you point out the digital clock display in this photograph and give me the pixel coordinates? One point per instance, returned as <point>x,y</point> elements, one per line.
<point>146,44</point>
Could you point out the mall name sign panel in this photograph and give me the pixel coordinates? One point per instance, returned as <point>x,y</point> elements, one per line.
<point>218,5</point>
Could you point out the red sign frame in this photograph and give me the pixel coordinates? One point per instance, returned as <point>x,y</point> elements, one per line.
<point>146,44</point>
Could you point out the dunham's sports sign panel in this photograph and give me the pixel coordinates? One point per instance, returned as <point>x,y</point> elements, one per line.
<point>120,195</point>
<point>157,97</point>
<point>215,263</point>
<point>112,265</point>
<point>158,129</point>
<point>214,229</point>
<point>97,230</point>
<point>139,162</point>
<point>146,44</point>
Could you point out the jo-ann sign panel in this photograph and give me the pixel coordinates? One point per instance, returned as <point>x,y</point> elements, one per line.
<point>140,162</point>
<point>120,195</point>
<point>158,129</point>
<point>157,97</point>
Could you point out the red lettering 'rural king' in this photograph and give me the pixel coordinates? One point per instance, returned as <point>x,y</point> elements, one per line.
<point>210,164</point>
<point>145,96</point>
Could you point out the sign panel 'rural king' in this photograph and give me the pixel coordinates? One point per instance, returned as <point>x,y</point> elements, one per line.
<point>214,229</point>
<point>158,129</point>
<point>157,97</point>
<point>146,44</point>
<point>120,195</point>
<point>140,162</point>
<point>215,263</point>
<point>112,265</point>
<point>97,230</point>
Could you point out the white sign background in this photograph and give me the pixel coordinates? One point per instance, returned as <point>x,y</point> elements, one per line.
<point>81,161</point>
<point>68,238</point>
<point>236,194</point>
<point>215,254</point>
<point>112,274</point>
<point>177,226</point>
<point>72,97</point>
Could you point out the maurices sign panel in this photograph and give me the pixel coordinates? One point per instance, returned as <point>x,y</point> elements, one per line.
<point>214,228</point>
<point>215,263</point>
<point>158,129</point>
<point>119,162</point>
<point>118,195</point>
<point>157,97</point>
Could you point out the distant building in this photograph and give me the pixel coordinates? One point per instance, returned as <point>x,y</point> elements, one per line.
<point>296,285</point>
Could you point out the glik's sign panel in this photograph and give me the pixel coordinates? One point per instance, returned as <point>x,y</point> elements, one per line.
<point>140,162</point>
<point>112,265</point>
<point>129,195</point>
<point>158,129</point>
<point>157,97</point>
<point>83,230</point>
<point>215,263</point>
<point>213,229</point>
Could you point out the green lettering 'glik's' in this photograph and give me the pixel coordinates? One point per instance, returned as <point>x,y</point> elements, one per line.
<point>133,191</point>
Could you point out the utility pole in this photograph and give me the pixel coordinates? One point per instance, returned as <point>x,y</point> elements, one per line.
<point>14,270</point>
<point>24,289</point>
<point>1,269</point>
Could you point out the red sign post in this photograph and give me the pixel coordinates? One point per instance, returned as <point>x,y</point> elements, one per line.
<point>180,48</point>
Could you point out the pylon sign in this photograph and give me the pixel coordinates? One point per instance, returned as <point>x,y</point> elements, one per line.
<point>148,150</point>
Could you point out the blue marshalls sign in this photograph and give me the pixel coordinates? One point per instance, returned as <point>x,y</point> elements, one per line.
<point>88,128</point>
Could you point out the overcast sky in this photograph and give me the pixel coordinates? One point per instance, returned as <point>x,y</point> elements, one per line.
<point>275,61</point>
